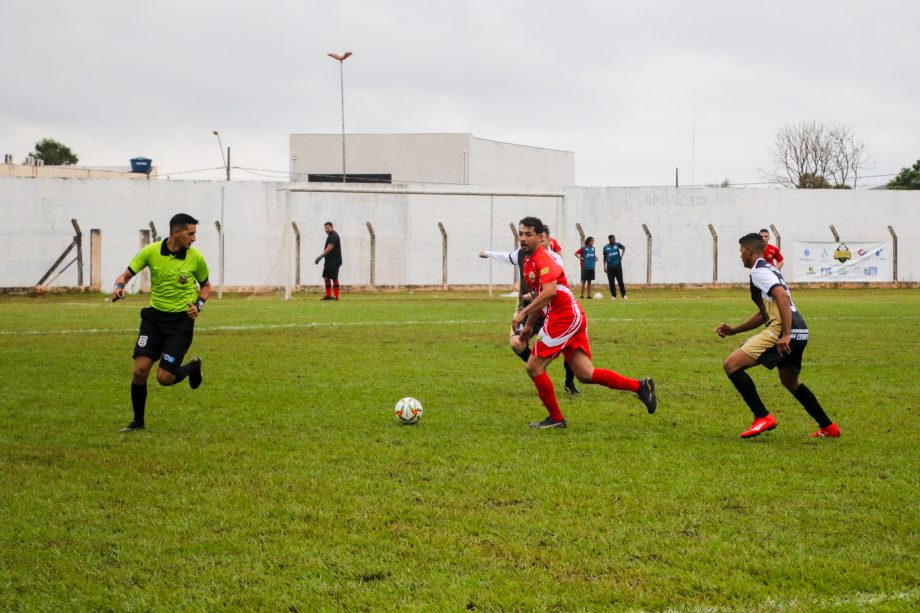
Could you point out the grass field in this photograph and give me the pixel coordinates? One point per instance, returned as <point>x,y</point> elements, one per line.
<point>285,483</point>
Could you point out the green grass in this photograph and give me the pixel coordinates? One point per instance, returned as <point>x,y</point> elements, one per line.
<point>285,483</point>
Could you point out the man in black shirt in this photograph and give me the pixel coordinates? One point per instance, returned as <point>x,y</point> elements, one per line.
<point>332,252</point>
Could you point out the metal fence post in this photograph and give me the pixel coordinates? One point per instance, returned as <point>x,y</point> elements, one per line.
<point>581,234</point>
<point>894,254</point>
<point>296,255</point>
<point>648,255</point>
<point>443,255</point>
<point>370,230</point>
<point>220,258</point>
<point>715,254</point>
<point>779,239</point>
<point>78,241</point>
<point>517,244</point>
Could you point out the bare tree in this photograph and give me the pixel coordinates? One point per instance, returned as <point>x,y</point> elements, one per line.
<point>814,155</point>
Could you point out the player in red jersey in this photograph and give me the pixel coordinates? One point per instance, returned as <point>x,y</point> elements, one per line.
<point>564,331</point>
<point>770,253</point>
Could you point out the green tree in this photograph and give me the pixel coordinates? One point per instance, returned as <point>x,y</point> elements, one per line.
<point>54,153</point>
<point>909,178</point>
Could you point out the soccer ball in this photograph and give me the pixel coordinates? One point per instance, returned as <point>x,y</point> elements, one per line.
<point>408,411</point>
<point>598,296</point>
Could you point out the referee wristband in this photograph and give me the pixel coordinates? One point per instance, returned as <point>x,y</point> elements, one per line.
<point>200,304</point>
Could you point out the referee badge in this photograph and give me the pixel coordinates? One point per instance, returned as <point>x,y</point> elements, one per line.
<point>183,279</point>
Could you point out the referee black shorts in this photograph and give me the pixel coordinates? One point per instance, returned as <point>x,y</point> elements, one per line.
<point>164,336</point>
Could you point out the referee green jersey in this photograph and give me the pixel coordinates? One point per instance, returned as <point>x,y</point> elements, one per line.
<point>172,275</point>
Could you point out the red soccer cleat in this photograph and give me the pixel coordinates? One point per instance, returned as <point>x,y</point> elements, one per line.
<point>832,431</point>
<point>761,424</point>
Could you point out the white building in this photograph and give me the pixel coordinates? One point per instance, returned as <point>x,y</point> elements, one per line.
<point>461,159</point>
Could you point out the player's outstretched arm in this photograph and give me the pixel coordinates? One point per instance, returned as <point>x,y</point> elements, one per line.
<point>505,257</point>
<point>752,322</point>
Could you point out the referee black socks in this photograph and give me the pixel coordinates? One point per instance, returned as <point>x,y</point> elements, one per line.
<point>139,401</point>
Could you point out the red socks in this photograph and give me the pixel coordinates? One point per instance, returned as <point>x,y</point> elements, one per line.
<point>610,379</point>
<point>548,395</point>
<point>335,288</point>
<point>328,287</point>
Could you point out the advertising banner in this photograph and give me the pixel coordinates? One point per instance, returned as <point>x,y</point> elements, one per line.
<point>841,262</point>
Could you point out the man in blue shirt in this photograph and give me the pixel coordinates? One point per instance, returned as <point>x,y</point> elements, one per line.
<point>588,257</point>
<point>613,265</point>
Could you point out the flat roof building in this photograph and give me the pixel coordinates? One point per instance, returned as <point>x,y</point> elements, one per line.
<point>427,158</point>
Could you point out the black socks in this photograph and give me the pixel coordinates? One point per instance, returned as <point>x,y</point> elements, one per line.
<point>139,402</point>
<point>745,386</point>
<point>811,404</point>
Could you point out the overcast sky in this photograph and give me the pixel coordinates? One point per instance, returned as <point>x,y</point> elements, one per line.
<point>635,89</point>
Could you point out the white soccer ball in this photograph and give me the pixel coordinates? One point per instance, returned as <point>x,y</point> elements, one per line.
<point>598,296</point>
<point>408,410</point>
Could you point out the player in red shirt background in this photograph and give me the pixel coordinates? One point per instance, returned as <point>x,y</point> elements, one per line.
<point>770,253</point>
<point>565,329</point>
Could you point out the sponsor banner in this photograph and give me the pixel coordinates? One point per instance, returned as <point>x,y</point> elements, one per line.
<point>817,261</point>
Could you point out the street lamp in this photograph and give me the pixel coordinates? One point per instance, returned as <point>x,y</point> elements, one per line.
<point>225,159</point>
<point>341,59</point>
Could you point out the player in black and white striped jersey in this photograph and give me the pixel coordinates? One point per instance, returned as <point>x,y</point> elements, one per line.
<point>780,345</point>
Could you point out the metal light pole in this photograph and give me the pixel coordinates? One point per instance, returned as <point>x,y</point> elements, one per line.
<point>341,59</point>
<point>225,159</point>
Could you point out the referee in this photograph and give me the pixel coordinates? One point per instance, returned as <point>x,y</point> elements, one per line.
<point>168,324</point>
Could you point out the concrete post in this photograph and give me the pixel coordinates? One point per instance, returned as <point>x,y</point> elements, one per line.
<point>95,262</point>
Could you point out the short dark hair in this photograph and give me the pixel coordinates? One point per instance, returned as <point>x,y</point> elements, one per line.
<point>611,236</point>
<point>328,223</point>
<point>535,223</point>
<point>589,239</point>
<point>752,241</point>
<point>180,220</point>
<point>762,230</point>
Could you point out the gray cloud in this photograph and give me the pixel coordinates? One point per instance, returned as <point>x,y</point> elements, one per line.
<point>634,89</point>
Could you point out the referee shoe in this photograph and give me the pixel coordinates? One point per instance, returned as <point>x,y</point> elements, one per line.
<point>194,377</point>
<point>133,426</point>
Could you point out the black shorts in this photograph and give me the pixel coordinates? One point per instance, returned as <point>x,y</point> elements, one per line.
<point>771,358</point>
<point>331,270</point>
<point>587,274</point>
<point>165,337</point>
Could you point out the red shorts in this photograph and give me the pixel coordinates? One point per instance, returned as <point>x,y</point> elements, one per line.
<point>563,335</point>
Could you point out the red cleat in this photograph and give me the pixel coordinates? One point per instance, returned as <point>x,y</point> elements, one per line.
<point>761,424</point>
<point>832,431</point>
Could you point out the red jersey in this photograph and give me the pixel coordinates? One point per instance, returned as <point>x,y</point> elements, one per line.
<point>554,245</point>
<point>772,255</point>
<point>540,268</point>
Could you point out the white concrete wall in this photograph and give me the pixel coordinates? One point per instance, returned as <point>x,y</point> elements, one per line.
<point>35,226</point>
